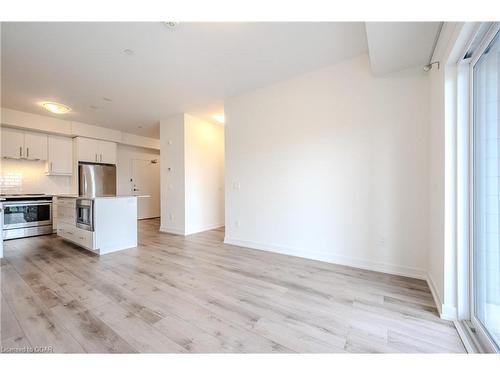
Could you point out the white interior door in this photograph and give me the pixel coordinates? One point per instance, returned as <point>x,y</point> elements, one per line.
<point>145,180</point>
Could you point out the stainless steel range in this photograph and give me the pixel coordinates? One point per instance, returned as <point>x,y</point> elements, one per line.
<point>26,215</point>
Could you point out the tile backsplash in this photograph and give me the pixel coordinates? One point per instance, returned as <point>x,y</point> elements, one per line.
<point>26,176</point>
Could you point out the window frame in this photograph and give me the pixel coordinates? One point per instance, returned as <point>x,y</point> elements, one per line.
<point>485,341</point>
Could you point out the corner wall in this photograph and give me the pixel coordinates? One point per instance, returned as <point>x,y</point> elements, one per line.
<point>204,174</point>
<point>332,165</point>
<point>172,194</point>
<point>192,175</point>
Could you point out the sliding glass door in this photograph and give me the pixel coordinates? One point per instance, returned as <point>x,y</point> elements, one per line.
<point>486,193</point>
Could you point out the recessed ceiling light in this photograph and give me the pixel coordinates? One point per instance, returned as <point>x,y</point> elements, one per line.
<point>106,99</point>
<point>219,118</point>
<point>128,52</point>
<point>171,24</point>
<point>55,107</point>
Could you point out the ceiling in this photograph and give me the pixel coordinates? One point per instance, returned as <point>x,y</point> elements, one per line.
<point>394,46</point>
<point>190,68</point>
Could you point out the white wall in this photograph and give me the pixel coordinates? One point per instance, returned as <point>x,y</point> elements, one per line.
<point>172,193</point>
<point>204,173</point>
<point>435,261</point>
<point>192,175</point>
<point>125,157</point>
<point>332,165</point>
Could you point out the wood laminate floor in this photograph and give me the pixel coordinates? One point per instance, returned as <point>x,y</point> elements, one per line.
<point>195,294</point>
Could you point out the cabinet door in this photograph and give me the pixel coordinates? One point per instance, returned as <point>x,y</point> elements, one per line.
<point>35,146</point>
<point>60,160</point>
<point>107,152</point>
<point>87,149</point>
<point>12,143</point>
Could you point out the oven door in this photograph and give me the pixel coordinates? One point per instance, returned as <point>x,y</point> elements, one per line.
<point>26,214</point>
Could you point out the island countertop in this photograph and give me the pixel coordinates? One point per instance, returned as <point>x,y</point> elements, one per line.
<point>100,197</point>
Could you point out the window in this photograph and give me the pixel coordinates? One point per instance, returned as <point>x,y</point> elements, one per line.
<point>486,193</point>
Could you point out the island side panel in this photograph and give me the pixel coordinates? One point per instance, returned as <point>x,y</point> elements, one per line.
<point>115,223</point>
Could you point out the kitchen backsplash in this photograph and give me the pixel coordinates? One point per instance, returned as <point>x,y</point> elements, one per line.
<point>23,176</point>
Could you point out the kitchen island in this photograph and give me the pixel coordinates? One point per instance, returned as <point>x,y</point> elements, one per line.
<point>100,224</point>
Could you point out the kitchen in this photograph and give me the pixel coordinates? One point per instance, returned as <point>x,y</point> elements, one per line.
<point>75,180</point>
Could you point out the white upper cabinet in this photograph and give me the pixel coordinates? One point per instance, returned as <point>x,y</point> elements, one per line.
<point>107,152</point>
<point>18,144</point>
<point>12,143</point>
<point>87,149</point>
<point>35,145</point>
<point>60,156</point>
<point>95,151</point>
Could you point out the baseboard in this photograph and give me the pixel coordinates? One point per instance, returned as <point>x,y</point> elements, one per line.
<point>179,232</point>
<point>332,258</point>
<point>192,231</point>
<point>435,294</point>
<point>205,228</point>
<point>446,312</point>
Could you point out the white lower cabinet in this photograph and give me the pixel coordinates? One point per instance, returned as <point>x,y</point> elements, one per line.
<point>81,237</point>
<point>66,224</point>
<point>115,224</point>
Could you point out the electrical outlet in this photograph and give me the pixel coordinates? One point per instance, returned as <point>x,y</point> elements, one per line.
<point>237,223</point>
<point>171,216</point>
<point>236,185</point>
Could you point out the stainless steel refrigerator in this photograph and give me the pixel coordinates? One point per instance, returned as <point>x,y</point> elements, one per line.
<point>96,180</point>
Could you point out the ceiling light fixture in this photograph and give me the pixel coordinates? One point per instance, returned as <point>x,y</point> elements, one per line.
<point>128,52</point>
<point>55,107</point>
<point>219,118</point>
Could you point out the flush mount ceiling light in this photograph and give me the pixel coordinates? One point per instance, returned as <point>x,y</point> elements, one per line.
<point>171,24</point>
<point>55,107</point>
<point>219,118</point>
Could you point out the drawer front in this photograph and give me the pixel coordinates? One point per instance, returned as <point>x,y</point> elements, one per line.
<point>66,214</point>
<point>66,202</point>
<point>85,238</point>
<point>66,231</point>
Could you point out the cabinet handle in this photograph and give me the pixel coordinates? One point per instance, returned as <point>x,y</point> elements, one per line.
<point>27,152</point>
<point>20,151</point>
<point>101,157</point>
<point>51,166</point>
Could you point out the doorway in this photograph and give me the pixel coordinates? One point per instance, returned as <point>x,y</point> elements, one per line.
<point>145,183</point>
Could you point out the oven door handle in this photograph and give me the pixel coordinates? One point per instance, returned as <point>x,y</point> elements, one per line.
<point>7,204</point>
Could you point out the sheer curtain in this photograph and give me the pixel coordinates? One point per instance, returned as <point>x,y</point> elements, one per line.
<point>486,247</point>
